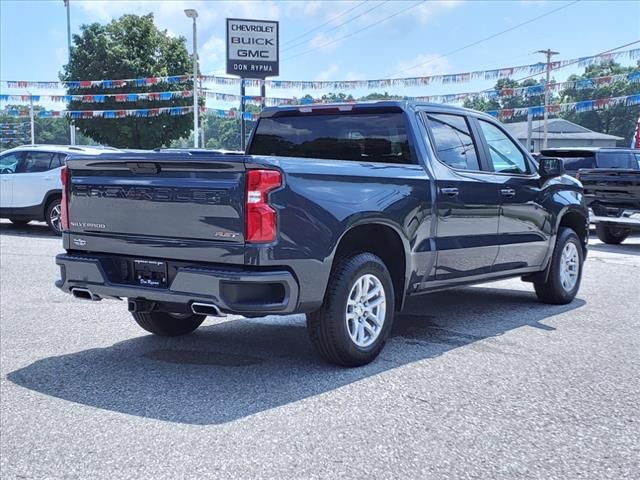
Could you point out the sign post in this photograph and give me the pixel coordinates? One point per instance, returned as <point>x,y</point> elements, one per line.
<point>252,52</point>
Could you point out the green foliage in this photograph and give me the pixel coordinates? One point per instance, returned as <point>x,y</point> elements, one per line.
<point>130,47</point>
<point>500,103</point>
<point>619,120</point>
<point>50,131</point>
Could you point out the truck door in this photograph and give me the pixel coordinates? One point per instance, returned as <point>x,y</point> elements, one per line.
<point>523,221</point>
<point>467,200</point>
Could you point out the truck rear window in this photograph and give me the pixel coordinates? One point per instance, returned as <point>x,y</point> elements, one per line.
<point>361,137</point>
<point>616,160</point>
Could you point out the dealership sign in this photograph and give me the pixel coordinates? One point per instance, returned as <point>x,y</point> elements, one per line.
<point>252,48</point>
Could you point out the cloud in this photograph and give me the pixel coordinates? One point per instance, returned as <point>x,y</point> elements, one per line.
<point>423,65</point>
<point>212,54</point>
<point>323,42</point>
<point>328,74</point>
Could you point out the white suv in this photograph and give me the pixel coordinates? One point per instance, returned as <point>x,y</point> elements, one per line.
<point>30,185</point>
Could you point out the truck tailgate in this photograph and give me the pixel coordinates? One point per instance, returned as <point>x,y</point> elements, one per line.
<point>612,186</point>
<point>169,195</point>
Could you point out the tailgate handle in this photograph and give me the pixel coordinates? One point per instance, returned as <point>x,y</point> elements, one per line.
<point>147,168</point>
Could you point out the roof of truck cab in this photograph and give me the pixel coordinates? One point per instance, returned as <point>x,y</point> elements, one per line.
<point>401,104</point>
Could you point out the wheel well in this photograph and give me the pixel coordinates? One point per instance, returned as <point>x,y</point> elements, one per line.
<point>50,198</point>
<point>578,223</point>
<point>383,242</point>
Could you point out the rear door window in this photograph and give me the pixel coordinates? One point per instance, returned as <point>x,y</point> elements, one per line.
<point>361,137</point>
<point>452,140</point>
<point>33,162</point>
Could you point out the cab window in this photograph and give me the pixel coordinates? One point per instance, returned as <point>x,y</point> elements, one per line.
<point>453,142</point>
<point>504,154</point>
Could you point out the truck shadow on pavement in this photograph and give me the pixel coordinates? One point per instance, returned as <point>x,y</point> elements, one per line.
<point>33,230</point>
<point>234,369</point>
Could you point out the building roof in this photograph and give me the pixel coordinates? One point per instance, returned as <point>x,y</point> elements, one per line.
<point>558,129</point>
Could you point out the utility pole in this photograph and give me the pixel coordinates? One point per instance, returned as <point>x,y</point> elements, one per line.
<point>549,53</point>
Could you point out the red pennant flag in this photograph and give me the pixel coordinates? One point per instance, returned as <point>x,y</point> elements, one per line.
<point>85,83</point>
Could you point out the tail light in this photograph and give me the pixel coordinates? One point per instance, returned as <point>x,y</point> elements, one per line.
<point>261,219</point>
<point>64,205</point>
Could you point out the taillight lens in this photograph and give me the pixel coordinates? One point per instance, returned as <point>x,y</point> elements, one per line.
<point>261,219</point>
<point>64,205</point>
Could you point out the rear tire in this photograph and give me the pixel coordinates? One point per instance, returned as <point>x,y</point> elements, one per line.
<point>18,222</point>
<point>352,326</point>
<point>167,324</point>
<point>611,235</point>
<point>53,216</point>
<point>565,272</point>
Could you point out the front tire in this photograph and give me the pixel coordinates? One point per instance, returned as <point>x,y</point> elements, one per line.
<point>352,326</point>
<point>168,324</point>
<point>565,272</point>
<point>53,216</point>
<point>610,234</point>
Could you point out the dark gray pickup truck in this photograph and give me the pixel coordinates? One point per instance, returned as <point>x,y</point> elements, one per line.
<point>340,212</point>
<point>613,195</point>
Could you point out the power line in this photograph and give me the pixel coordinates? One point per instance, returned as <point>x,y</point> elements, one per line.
<point>325,23</point>
<point>358,31</point>
<point>342,24</point>
<point>611,50</point>
<point>477,42</point>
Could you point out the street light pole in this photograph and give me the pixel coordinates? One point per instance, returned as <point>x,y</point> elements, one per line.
<point>33,131</point>
<point>549,53</point>
<point>72,126</point>
<point>191,13</point>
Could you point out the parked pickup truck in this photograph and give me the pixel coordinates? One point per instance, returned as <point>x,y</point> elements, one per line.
<point>614,198</point>
<point>340,212</point>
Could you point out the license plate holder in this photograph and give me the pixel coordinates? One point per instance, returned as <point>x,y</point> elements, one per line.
<point>150,273</point>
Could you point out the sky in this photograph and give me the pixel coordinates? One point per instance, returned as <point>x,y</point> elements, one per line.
<point>338,40</point>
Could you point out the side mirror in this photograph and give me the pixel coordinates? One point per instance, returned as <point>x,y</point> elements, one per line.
<point>549,167</point>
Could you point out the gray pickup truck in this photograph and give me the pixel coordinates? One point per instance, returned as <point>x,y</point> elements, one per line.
<point>340,212</point>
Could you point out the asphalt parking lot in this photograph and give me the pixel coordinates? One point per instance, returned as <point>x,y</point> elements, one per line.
<point>480,382</point>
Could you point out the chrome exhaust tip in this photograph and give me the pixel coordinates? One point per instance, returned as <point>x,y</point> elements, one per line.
<point>206,309</point>
<point>84,294</point>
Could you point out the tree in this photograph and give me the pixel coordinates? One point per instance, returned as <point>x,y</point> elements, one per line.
<point>485,104</point>
<point>618,119</point>
<point>130,47</point>
<point>47,130</point>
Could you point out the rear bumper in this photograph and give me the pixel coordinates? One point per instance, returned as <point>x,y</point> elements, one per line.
<point>233,290</point>
<point>629,219</point>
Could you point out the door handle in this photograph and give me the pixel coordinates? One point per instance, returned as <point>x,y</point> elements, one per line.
<point>450,191</point>
<point>508,192</point>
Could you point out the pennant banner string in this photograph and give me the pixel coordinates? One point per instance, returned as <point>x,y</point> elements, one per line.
<point>493,74</point>
<point>85,114</point>
<point>100,98</point>
<point>530,90</point>
<point>582,106</point>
